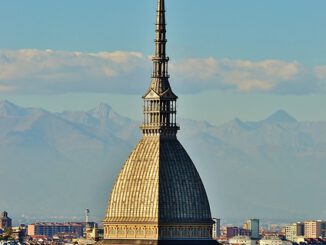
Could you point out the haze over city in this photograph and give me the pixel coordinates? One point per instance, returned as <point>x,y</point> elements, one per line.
<point>251,77</point>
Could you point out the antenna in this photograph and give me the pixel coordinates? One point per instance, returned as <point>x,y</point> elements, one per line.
<point>87,217</point>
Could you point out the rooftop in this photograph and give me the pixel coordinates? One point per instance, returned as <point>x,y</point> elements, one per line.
<point>59,223</point>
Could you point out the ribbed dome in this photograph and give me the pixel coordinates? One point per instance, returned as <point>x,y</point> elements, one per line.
<point>159,184</point>
<point>158,197</point>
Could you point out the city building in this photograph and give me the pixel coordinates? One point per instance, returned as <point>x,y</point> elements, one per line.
<point>216,228</point>
<point>19,233</point>
<point>293,231</point>
<point>241,240</point>
<point>299,240</point>
<point>273,240</point>
<point>245,226</point>
<point>313,229</point>
<point>233,231</point>
<point>91,236</point>
<point>317,241</point>
<point>253,226</point>
<point>323,229</point>
<point>50,229</point>
<point>8,242</point>
<point>5,221</point>
<point>276,227</point>
<point>158,197</point>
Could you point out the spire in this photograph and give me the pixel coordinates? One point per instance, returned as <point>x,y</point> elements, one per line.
<point>160,39</point>
<point>160,60</point>
<point>159,100</point>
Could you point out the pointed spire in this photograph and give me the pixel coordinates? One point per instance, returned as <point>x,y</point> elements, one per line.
<point>159,100</point>
<point>160,75</point>
<point>160,39</point>
<point>160,60</point>
<point>160,20</point>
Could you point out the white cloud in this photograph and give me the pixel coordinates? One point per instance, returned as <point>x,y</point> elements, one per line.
<point>38,71</point>
<point>240,75</point>
<point>202,69</point>
<point>48,71</point>
<point>321,72</point>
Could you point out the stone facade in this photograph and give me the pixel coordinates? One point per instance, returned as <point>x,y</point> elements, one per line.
<point>158,197</point>
<point>160,192</point>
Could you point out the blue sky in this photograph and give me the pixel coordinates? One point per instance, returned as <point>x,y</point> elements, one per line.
<point>234,58</point>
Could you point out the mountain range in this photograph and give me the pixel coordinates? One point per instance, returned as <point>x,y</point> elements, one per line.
<point>58,164</point>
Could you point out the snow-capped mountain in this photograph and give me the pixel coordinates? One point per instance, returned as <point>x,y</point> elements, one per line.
<point>61,163</point>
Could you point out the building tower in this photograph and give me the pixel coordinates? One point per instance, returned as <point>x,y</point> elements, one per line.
<point>313,229</point>
<point>253,226</point>
<point>158,197</point>
<point>294,231</point>
<point>216,228</point>
<point>88,229</point>
<point>5,221</point>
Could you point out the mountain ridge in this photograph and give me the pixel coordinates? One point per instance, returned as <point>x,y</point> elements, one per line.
<point>76,155</point>
<point>280,116</point>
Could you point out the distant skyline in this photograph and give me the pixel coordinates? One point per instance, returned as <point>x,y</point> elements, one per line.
<point>229,58</point>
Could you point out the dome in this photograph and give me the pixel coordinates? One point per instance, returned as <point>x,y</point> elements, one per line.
<point>159,183</point>
<point>158,197</point>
